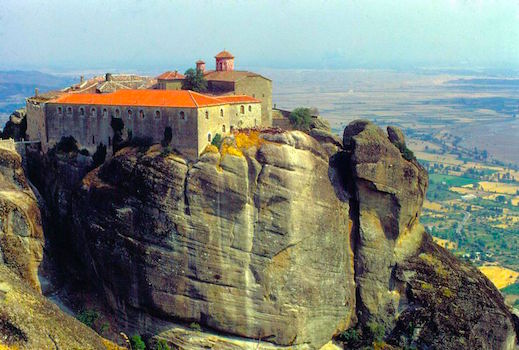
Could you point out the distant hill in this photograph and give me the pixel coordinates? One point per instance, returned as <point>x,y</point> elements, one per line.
<point>15,86</point>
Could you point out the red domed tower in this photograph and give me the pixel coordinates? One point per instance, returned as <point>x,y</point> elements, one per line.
<point>224,61</point>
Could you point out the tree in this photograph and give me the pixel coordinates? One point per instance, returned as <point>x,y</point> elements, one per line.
<point>301,118</point>
<point>137,343</point>
<point>194,80</point>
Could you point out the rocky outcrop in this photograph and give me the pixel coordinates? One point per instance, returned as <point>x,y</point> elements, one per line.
<point>29,321</point>
<point>16,127</point>
<point>21,233</point>
<point>284,238</point>
<point>387,197</point>
<point>256,245</point>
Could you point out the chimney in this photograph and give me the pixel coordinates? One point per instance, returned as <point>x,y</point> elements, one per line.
<point>108,76</point>
<point>36,91</point>
<point>200,66</point>
<point>81,79</point>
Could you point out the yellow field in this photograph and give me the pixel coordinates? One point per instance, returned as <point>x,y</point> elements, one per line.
<point>515,201</point>
<point>497,187</point>
<point>461,190</point>
<point>500,276</point>
<point>434,206</point>
<point>445,243</point>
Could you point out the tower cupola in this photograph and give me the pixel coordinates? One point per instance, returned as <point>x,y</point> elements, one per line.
<point>224,61</point>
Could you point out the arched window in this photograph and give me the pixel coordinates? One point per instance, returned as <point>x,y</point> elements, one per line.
<point>242,109</point>
<point>223,128</point>
<point>206,114</point>
<point>105,112</point>
<point>232,128</point>
<point>60,110</point>
<point>93,111</point>
<point>157,114</point>
<point>129,113</point>
<point>250,108</point>
<point>81,111</point>
<point>221,112</point>
<point>117,112</point>
<point>254,95</point>
<point>209,137</point>
<point>255,122</point>
<point>182,115</point>
<point>141,113</point>
<point>69,110</point>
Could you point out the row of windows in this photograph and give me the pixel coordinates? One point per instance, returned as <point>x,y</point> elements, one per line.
<point>93,112</point>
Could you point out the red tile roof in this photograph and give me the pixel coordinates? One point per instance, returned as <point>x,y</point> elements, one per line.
<point>224,54</point>
<point>238,99</point>
<point>170,75</point>
<point>145,98</point>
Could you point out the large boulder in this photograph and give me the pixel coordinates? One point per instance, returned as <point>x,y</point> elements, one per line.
<point>254,245</point>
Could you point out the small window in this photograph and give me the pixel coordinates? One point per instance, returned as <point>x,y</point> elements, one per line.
<point>263,95</point>
<point>60,110</point>
<point>254,95</point>
<point>129,113</point>
<point>221,112</point>
<point>255,122</point>
<point>69,110</point>
<point>81,111</point>
<point>109,141</point>
<point>209,137</point>
<point>117,113</point>
<point>206,114</point>
<point>93,140</point>
<point>105,112</point>
<point>250,108</point>
<point>232,128</point>
<point>141,113</point>
<point>157,114</point>
<point>182,115</point>
<point>93,112</point>
<point>223,128</point>
<point>242,109</point>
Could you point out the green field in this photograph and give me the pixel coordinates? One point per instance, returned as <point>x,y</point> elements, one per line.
<point>451,180</point>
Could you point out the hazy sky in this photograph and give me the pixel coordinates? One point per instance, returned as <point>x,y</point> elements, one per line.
<point>160,34</point>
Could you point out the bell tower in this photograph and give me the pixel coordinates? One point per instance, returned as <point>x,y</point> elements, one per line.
<point>224,61</point>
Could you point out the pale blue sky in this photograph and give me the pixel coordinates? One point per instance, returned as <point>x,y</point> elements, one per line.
<point>160,34</point>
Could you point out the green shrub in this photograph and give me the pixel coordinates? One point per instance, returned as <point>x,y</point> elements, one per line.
<point>99,155</point>
<point>406,152</point>
<point>217,141</point>
<point>84,152</point>
<point>162,345</point>
<point>300,118</point>
<point>88,317</point>
<point>168,136</point>
<point>137,342</point>
<point>350,335</point>
<point>67,144</point>
<point>375,331</point>
<point>195,326</point>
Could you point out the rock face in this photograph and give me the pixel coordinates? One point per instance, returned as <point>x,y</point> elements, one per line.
<point>255,245</point>
<point>21,233</point>
<point>29,321</point>
<point>388,193</point>
<point>282,237</point>
<point>16,126</point>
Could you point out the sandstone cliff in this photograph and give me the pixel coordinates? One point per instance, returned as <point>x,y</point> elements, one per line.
<point>27,319</point>
<point>281,237</point>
